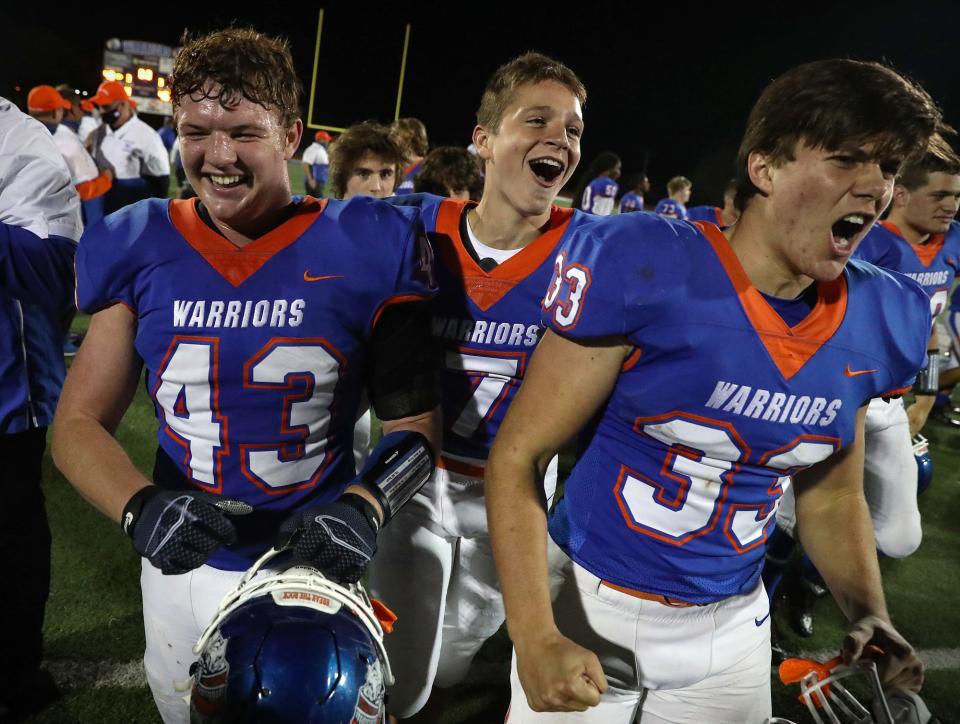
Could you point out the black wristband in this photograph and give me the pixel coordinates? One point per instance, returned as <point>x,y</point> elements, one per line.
<point>134,506</point>
<point>364,507</point>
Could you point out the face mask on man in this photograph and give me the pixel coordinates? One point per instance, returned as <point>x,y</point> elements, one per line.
<point>111,117</point>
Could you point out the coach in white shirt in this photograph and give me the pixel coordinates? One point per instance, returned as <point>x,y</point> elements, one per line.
<point>139,159</point>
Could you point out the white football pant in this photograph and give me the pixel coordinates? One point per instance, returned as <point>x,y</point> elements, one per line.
<point>889,481</point>
<point>176,610</point>
<point>434,568</point>
<point>663,664</point>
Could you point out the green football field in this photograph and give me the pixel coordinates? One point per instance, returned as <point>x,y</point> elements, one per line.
<point>94,633</point>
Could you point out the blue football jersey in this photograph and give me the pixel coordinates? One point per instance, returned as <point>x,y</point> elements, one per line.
<point>599,196</point>
<point>255,357</point>
<point>671,209</point>
<point>933,264</point>
<point>631,201</point>
<point>409,174</point>
<point>720,403</point>
<point>488,324</point>
<point>705,213</point>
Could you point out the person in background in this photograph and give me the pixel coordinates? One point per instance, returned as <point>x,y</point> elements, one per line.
<point>365,160</point>
<point>597,191</point>
<point>633,199</point>
<point>450,171</point>
<point>316,164</point>
<point>675,205</point>
<point>39,227</point>
<point>140,162</point>
<point>82,117</point>
<point>411,135</point>
<point>49,107</point>
<point>722,217</point>
<point>167,133</point>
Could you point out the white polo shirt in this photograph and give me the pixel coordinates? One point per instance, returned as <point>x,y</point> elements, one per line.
<point>81,164</point>
<point>135,150</point>
<point>35,189</point>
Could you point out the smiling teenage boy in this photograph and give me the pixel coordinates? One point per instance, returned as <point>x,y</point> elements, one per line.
<point>711,365</point>
<point>493,261</point>
<point>259,319</point>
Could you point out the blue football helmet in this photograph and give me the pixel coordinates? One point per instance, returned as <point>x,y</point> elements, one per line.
<point>921,451</point>
<point>291,646</point>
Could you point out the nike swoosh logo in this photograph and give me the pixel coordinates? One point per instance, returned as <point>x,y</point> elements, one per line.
<point>855,373</point>
<point>308,278</point>
<point>759,621</point>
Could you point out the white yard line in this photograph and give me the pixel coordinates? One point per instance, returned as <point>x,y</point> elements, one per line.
<point>129,675</point>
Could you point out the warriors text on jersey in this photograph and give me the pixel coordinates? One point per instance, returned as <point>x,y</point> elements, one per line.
<point>489,325</point>
<point>933,264</point>
<point>720,402</point>
<point>256,356</point>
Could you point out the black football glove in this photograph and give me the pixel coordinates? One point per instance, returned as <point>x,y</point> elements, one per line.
<point>177,530</point>
<point>339,538</point>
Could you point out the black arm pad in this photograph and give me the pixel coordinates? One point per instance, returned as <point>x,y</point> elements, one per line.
<point>928,381</point>
<point>397,468</point>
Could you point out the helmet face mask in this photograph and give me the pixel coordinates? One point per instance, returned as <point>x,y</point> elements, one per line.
<point>838,694</point>
<point>921,451</point>
<point>291,645</point>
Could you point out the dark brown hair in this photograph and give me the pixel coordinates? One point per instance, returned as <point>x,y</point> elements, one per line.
<point>939,158</point>
<point>832,104</point>
<point>449,167</point>
<point>527,68</point>
<point>238,63</point>
<point>353,144</point>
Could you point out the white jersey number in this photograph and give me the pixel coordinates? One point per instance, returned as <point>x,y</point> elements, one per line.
<point>702,461</point>
<point>188,395</point>
<point>576,278</point>
<point>489,377</point>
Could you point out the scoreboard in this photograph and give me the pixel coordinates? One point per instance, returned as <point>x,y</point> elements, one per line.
<point>143,68</point>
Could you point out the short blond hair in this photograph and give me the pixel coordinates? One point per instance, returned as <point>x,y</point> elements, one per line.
<point>527,68</point>
<point>678,183</point>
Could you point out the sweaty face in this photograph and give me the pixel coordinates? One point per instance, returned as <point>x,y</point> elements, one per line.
<point>535,150</point>
<point>372,176</point>
<point>930,208</point>
<point>822,204</point>
<point>236,160</point>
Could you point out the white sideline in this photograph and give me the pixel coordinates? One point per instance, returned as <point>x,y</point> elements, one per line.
<point>129,675</point>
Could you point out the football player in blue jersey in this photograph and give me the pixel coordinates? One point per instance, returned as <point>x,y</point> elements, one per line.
<point>365,161</point>
<point>674,206</point>
<point>597,191</point>
<point>724,216</point>
<point>713,369</point>
<point>633,199</point>
<point>922,227</point>
<point>258,319</point>
<point>435,568</point>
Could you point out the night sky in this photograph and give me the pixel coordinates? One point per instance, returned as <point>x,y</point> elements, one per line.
<point>669,86</point>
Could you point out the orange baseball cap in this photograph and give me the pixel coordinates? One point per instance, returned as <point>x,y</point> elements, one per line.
<point>44,99</point>
<point>322,136</point>
<point>86,106</point>
<point>109,92</point>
